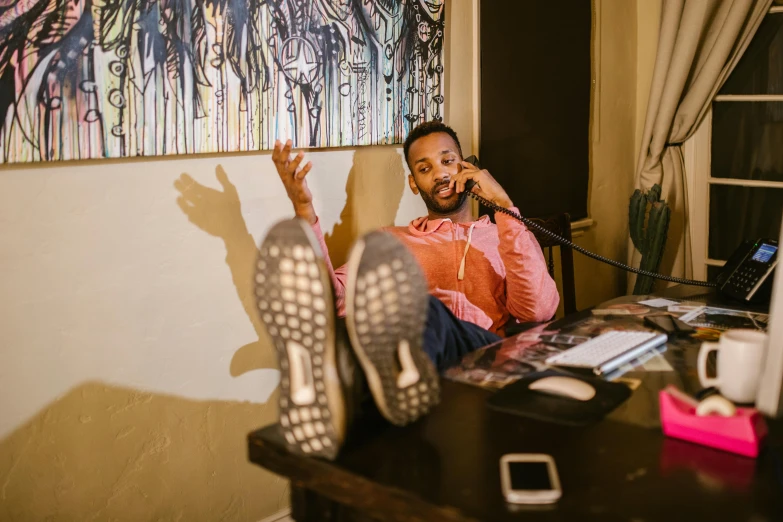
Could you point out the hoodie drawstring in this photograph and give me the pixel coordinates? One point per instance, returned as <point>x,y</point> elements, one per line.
<point>461,273</point>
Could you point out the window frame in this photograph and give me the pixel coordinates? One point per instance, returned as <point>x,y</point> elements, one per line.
<point>697,155</point>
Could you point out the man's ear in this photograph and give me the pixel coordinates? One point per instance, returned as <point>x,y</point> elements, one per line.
<point>412,184</point>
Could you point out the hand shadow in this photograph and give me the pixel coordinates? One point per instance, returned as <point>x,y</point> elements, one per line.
<point>374,189</point>
<point>219,214</point>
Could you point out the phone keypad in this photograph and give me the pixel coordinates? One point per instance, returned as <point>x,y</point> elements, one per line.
<point>746,278</point>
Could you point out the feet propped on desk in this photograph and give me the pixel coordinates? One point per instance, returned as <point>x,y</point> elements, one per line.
<point>325,370</point>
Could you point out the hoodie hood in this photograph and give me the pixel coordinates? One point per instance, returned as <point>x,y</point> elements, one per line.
<point>425,226</point>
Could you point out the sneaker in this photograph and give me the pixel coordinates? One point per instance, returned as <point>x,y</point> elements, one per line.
<point>386,307</point>
<point>297,306</point>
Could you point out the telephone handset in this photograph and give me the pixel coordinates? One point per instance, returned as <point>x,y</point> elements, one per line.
<point>747,275</point>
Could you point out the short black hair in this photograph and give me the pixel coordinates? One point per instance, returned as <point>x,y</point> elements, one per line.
<point>425,129</point>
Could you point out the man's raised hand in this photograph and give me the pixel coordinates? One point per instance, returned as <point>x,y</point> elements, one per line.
<point>293,179</point>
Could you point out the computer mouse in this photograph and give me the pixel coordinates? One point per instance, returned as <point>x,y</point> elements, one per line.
<point>564,387</point>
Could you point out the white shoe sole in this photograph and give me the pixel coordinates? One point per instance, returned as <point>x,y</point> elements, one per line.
<point>295,300</point>
<point>386,306</point>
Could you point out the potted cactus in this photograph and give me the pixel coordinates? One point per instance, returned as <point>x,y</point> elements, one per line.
<point>648,216</point>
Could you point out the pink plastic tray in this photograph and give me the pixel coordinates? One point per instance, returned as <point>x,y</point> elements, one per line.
<point>743,433</point>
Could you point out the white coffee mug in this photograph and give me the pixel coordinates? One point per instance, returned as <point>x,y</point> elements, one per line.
<point>740,359</point>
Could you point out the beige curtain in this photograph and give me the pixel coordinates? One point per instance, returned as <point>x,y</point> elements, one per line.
<point>700,42</point>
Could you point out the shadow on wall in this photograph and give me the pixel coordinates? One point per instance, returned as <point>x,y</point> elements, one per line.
<point>103,452</point>
<point>374,190</point>
<point>219,214</point>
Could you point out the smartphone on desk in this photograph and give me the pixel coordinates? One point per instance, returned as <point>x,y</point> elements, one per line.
<point>529,478</point>
<point>669,324</point>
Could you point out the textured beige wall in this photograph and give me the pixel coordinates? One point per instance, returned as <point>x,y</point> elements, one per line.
<point>103,452</point>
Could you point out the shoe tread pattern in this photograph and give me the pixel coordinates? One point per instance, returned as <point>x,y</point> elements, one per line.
<point>294,297</point>
<point>390,305</point>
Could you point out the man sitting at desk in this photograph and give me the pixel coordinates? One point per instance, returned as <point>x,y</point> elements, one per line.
<point>478,276</point>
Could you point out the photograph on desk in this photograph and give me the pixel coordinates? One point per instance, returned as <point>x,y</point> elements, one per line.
<point>504,362</point>
<point>507,361</point>
<point>710,322</point>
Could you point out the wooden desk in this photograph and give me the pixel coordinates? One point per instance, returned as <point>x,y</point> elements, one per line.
<point>445,466</point>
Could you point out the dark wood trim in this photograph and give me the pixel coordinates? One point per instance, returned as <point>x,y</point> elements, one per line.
<point>375,500</point>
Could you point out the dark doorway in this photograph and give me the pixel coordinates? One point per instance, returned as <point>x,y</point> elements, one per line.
<point>535,102</point>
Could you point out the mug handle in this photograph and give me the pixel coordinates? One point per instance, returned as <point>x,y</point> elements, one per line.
<point>701,365</point>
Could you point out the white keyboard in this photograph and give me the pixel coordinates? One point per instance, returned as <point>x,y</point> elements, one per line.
<point>608,351</point>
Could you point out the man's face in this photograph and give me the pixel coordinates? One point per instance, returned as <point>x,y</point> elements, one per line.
<point>434,160</point>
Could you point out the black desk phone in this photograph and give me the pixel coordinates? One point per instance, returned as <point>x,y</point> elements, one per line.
<point>747,275</point>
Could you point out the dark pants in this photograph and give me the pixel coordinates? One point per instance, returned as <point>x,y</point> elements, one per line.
<point>447,339</point>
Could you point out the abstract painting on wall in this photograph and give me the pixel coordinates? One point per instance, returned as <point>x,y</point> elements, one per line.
<point>86,79</point>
